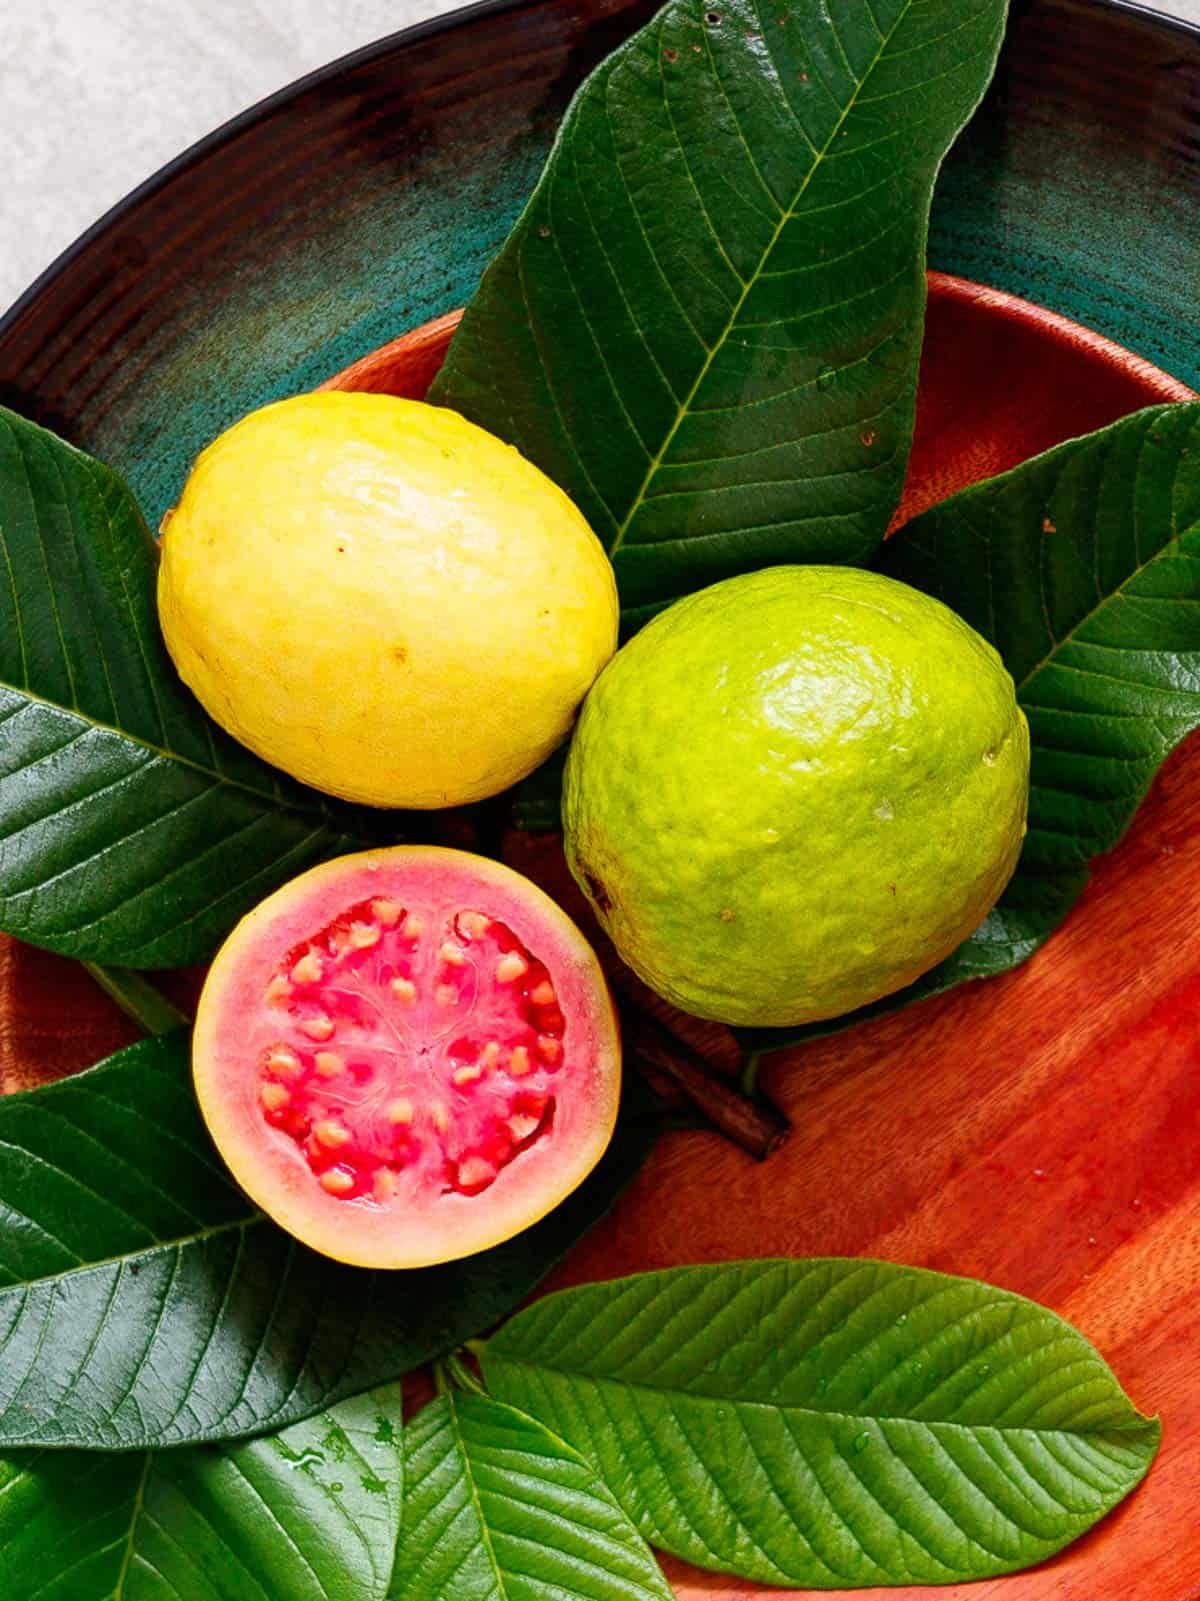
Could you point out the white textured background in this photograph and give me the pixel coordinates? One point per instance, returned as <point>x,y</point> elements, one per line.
<point>95,95</point>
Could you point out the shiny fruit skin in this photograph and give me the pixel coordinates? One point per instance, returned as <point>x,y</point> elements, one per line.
<point>384,600</point>
<point>795,792</point>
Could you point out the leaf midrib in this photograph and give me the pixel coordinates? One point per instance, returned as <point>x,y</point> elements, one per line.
<point>139,1502</point>
<point>140,1253</point>
<point>279,802</point>
<point>640,1387</point>
<point>1117,593</point>
<point>787,214</point>
<point>1106,600</point>
<point>476,1502</point>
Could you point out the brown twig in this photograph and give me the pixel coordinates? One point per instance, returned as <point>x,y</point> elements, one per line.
<point>757,1126</point>
<point>712,1044</point>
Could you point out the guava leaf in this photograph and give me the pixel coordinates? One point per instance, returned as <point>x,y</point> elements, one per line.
<point>1082,566</point>
<point>144,1302</point>
<point>131,829</point>
<point>311,1514</point>
<point>497,1507</point>
<point>830,1423</point>
<point>707,323</point>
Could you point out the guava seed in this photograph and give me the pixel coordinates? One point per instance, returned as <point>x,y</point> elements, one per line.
<point>307,970</point>
<point>403,993</point>
<point>332,1135</point>
<point>284,1063</point>
<point>474,1174</point>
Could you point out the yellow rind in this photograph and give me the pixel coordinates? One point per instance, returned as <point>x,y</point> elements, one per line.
<point>384,600</point>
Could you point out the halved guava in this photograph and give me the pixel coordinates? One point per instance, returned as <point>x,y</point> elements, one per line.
<point>407,1056</point>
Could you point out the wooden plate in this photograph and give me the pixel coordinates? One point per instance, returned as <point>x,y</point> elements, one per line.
<point>1041,1130</point>
<point>1038,1130</point>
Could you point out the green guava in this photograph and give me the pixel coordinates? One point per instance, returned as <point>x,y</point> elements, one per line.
<point>795,792</point>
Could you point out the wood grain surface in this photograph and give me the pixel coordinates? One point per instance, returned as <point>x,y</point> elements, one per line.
<point>1040,1130</point>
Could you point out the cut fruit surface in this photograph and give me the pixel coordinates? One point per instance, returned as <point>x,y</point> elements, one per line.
<point>407,1056</point>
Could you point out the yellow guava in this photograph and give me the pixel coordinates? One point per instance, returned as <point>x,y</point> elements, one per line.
<point>795,792</point>
<point>384,600</point>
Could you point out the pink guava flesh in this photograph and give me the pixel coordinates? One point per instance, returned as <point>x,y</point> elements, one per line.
<point>408,1055</point>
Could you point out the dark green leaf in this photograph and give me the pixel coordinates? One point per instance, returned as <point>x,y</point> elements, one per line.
<point>131,829</point>
<point>497,1507</point>
<point>311,1514</point>
<point>830,1423</point>
<point>144,1302</point>
<point>707,323</point>
<point>1082,567</point>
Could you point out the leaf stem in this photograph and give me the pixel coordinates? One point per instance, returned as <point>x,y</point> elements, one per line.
<point>757,1126</point>
<point>750,1071</point>
<point>138,999</point>
<point>461,1375</point>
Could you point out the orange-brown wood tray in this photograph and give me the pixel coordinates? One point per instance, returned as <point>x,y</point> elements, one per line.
<point>1040,1130</point>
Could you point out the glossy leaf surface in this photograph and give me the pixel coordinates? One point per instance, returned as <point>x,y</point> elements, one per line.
<point>830,1422</point>
<point>145,1302</point>
<point>131,829</point>
<point>499,1509</point>
<point>311,1514</point>
<point>707,323</point>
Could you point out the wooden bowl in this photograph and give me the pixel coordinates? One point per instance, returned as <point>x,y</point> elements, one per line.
<point>1047,379</point>
<point>1038,1130</point>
